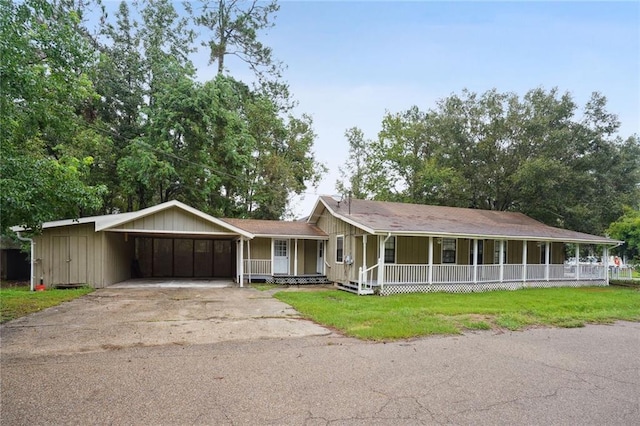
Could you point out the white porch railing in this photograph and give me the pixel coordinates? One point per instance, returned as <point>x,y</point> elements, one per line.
<point>621,273</point>
<point>257,266</point>
<point>419,273</point>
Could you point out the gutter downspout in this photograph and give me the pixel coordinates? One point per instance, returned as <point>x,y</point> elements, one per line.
<point>30,240</point>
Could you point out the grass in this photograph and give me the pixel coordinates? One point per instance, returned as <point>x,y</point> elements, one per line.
<point>415,315</point>
<point>17,302</point>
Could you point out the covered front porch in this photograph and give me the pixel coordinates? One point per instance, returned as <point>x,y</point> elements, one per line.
<point>405,264</point>
<point>281,260</point>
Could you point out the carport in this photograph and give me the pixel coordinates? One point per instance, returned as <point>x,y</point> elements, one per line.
<point>170,240</point>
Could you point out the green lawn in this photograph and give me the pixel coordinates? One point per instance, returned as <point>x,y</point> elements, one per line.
<point>16,302</point>
<point>413,315</point>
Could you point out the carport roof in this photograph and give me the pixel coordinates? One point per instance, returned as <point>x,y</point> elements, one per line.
<point>275,228</point>
<point>106,222</point>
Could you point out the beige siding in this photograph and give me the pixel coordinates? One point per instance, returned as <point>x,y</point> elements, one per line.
<point>118,254</point>
<point>339,272</point>
<point>174,220</point>
<point>310,257</point>
<point>260,249</point>
<point>557,253</point>
<point>69,255</point>
<point>412,250</point>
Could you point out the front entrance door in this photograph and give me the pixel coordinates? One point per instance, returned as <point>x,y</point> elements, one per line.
<point>320,260</point>
<point>280,256</point>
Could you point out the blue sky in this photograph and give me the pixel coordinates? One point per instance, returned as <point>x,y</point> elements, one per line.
<point>349,62</point>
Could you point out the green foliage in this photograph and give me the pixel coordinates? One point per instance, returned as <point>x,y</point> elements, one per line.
<point>17,302</point>
<point>43,100</point>
<point>117,121</point>
<point>414,315</point>
<point>627,229</point>
<point>500,152</point>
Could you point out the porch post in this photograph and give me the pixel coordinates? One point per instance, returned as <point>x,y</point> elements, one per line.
<point>364,252</point>
<point>272,256</point>
<point>524,260</point>
<point>295,258</point>
<point>475,260</point>
<point>547,256</point>
<point>241,274</point>
<point>501,260</point>
<point>605,263</point>
<point>381,262</point>
<point>430,260</point>
<point>577,262</point>
<point>249,259</point>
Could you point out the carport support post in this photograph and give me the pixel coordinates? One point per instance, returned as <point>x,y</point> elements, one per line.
<point>249,260</point>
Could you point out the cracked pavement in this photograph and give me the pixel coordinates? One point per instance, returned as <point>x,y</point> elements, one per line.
<point>582,376</point>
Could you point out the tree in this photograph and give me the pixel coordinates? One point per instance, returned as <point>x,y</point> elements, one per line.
<point>234,31</point>
<point>354,172</point>
<point>43,97</point>
<point>627,229</point>
<point>501,152</point>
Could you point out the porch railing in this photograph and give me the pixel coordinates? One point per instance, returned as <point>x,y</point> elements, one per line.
<point>621,273</point>
<point>419,273</point>
<point>257,266</point>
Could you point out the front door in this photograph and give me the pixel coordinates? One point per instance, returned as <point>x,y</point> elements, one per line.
<point>320,260</point>
<point>280,256</point>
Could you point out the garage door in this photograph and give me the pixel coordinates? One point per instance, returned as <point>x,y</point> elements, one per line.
<point>184,257</point>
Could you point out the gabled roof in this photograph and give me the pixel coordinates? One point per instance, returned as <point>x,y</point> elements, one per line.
<point>378,217</point>
<point>275,228</point>
<point>111,221</point>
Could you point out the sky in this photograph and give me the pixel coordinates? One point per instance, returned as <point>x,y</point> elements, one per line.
<point>350,62</point>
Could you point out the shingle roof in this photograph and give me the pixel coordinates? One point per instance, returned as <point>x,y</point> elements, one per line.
<point>271,228</point>
<point>403,218</point>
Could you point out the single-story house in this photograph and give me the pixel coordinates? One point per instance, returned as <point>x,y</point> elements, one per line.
<point>362,246</point>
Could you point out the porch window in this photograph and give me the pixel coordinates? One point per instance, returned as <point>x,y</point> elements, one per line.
<point>339,248</point>
<point>448,250</point>
<point>496,252</point>
<point>390,250</point>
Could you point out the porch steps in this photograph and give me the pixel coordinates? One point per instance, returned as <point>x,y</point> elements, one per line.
<point>352,287</point>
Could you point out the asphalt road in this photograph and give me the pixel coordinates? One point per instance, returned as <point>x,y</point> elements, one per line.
<point>311,376</point>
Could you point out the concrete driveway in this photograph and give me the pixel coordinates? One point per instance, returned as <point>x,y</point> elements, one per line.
<point>151,314</point>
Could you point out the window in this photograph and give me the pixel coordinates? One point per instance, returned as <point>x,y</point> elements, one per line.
<point>339,248</point>
<point>390,250</point>
<point>448,250</point>
<point>496,252</point>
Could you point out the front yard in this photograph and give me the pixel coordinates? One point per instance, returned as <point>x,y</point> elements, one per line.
<point>414,315</point>
<point>16,302</point>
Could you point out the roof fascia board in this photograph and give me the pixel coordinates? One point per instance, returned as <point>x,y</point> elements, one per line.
<point>174,203</point>
<point>495,237</point>
<point>165,232</point>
